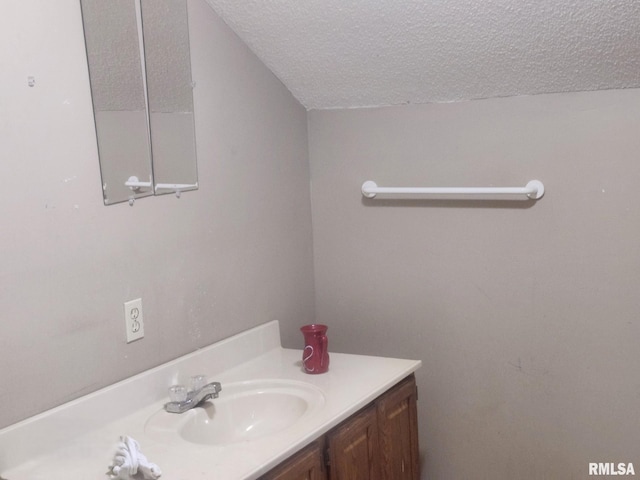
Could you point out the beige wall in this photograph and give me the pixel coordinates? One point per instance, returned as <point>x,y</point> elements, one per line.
<point>232,255</point>
<point>526,319</point>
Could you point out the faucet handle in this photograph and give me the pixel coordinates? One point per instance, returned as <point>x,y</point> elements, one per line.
<point>178,393</point>
<point>197,382</point>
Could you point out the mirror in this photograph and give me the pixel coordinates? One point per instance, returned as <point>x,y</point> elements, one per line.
<point>119,101</point>
<point>140,74</point>
<point>170,89</point>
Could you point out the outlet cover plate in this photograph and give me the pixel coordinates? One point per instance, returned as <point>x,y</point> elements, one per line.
<point>133,320</point>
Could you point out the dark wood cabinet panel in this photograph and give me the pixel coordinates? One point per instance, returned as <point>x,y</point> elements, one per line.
<point>398,432</point>
<point>353,448</point>
<point>307,464</point>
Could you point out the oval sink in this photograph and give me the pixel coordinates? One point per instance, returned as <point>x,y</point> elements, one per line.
<point>244,411</point>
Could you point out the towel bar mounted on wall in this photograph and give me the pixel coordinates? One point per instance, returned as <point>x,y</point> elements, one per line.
<point>534,190</point>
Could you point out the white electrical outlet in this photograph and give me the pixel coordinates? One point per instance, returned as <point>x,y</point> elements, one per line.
<point>133,319</point>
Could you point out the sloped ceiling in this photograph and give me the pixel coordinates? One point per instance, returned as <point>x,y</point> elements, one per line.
<point>355,53</point>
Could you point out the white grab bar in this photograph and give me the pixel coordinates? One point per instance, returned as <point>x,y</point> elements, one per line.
<point>534,190</point>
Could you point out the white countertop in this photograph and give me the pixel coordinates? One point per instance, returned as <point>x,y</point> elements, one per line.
<point>77,440</point>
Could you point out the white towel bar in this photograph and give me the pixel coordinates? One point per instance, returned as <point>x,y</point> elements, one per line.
<point>534,190</point>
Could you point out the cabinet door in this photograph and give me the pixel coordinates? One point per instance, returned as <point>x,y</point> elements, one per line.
<point>398,432</point>
<point>353,448</point>
<point>308,464</point>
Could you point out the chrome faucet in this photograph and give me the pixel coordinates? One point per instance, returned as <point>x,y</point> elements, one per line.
<point>194,398</point>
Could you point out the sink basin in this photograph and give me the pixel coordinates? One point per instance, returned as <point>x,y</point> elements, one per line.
<point>244,412</point>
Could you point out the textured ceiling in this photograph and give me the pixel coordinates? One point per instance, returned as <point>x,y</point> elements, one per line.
<point>339,53</point>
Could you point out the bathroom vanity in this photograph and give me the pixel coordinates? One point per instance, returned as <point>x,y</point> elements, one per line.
<point>378,442</point>
<point>271,420</point>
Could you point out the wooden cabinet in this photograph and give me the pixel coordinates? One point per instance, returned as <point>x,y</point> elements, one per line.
<point>398,432</point>
<point>380,442</point>
<point>353,448</point>
<point>307,464</point>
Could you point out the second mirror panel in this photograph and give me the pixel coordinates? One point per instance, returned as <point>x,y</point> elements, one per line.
<point>170,94</point>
